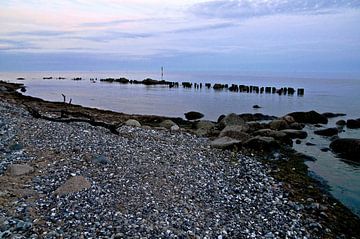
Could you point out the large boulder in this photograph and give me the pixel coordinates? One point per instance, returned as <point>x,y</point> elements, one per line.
<point>278,135</point>
<point>311,117</point>
<point>236,132</point>
<point>193,115</point>
<point>353,124</point>
<point>231,119</point>
<point>295,134</point>
<point>167,124</point>
<point>73,185</point>
<point>296,125</point>
<point>204,128</point>
<point>133,123</point>
<point>279,124</point>
<point>19,170</point>
<point>332,115</point>
<point>327,132</point>
<point>225,143</point>
<point>346,147</point>
<point>262,143</point>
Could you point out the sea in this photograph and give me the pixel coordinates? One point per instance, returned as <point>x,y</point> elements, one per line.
<point>322,94</point>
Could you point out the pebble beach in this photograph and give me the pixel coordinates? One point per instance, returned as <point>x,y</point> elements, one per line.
<point>79,181</point>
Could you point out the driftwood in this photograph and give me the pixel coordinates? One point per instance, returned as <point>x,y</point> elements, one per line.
<point>64,118</point>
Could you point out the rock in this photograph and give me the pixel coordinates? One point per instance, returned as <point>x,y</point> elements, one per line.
<point>231,119</point>
<point>256,117</point>
<point>205,124</point>
<point>278,135</point>
<point>327,132</point>
<point>347,147</point>
<point>256,107</point>
<point>295,134</point>
<point>16,147</point>
<point>73,185</point>
<point>193,115</point>
<point>296,125</point>
<point>23,226</point>
<point>324,149</point>
<point>332,115</point>
<point>341,122</point>
<point>289,119</point>
<point>236,132</point>
<point>19,169</point>
<point>101,159</point>
<point>175,128</point>
<point>262,143</point>
<point>305,157</point>
<point>221,117</point>
<point>310,144</point>
<point>311,117</point>
<point>353,124</point>
<point>225,143</point>
<point>279,124</point>
<point>167,124</point>
<point>133,123</point>
<point>298,141</point>
<point>4,89</point>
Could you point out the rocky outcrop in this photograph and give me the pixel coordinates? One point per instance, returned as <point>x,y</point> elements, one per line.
<point>311,117</point>
<point>327,132</point>
<point>346,147</point>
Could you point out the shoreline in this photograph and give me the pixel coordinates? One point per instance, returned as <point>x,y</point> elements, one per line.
<point>312,201</point>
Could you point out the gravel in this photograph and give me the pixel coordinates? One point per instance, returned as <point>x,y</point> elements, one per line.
<point>144,184</point>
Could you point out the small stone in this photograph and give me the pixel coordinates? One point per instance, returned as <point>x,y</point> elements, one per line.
<point>19,170</point>
<point>101,159</point>
<point>72,185</point>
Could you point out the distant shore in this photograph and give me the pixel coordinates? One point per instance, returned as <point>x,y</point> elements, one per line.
<point>319,210</point>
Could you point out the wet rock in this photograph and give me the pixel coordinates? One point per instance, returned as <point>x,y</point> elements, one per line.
<point>231,119</point>
<point>305,157</point>
<point>193,115</point>
<point>167,124</point>
<point>295,134</point>
<point>347,147</point>
<point>327,132</point>
<point>296,125</point>
<point>279,124</point>
<point>205,124</point>
<point>353,124</point>
<point>133,123</point>
<point>298,141</point>
<point>73,185</point>
<point>324,149</point>
<point>256,117</point>
<point>311,117</point>
<point>289,119</point>
<point>332,115</point>
<point>19,170</point>
<point>225,143</point>
<point>236,132</point>
<point>341,122</point>
<point>310,144</point>
<point>256,107</point>
<point>221,117</point>
<point>262,143</point>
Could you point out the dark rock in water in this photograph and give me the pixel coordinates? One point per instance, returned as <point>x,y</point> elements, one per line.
<point>298,141</point>
<point>347,148</point>
<point>310,144</point>
<point>262,143</point>
<point>236,132</point>
<point>279,124</point>
<point>325,149</point>
<point>296,125</point>
<point>332,115</point>
<point>341,122</point>
<point>256,117</point>
<point>295,134</point>
<point>353,124</point>
<point>327,132</point>
<point>305,157</point>
<point>311,117</point>
<point>20,78</point>
<point>278,135</point>
<point>318,125</point>
<point>23,89</point>
<point>256,107</point>
<point>193,115</point>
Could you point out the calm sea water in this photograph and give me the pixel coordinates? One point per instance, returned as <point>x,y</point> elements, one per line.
<point>322,95</point>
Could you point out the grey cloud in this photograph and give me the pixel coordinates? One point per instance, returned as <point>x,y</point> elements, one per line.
<point>247,8</point>
<point>202,28</point>
<point>40,33</point>
<point>16,45</point>
<point>117,22</point>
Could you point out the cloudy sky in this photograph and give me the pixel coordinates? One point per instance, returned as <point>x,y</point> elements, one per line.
<point>289,36</point>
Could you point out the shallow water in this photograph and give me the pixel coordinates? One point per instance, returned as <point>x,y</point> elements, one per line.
<point>322,95</point>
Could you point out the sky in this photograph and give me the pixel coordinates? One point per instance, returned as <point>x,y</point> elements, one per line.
<point>275,36</point>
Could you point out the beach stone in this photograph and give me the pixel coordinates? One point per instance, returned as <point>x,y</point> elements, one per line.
<point>262,143</point>
<point>231,119</point>
<point>193,115</point>
<point>296,125</point>
<point>327,132</point>
<point>279,124</point>
<point>295,134</point>
<point>101,159</point>
<point>289,119</point>
<point>311,117</point>
<point>353,124</point>
<point>16,147</point>
<point>73,185</point>
<point>236,132</point>
<point>205,124</point>
<point>347,147</point>
<point>133,123</point>
<point>341,122</point>
<point>175,128</point>
<point>167,124</point>
<point>225,143</point>
<point>19,169</point>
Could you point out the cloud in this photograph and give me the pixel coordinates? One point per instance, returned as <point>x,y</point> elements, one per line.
<point>202,28</point>
<point>240,9</point>
<point>8,45</point>
<point>46,33</point>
